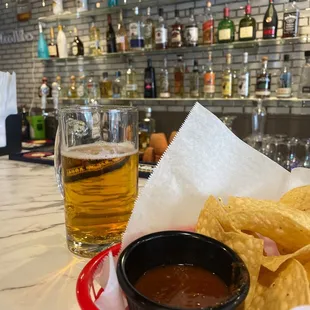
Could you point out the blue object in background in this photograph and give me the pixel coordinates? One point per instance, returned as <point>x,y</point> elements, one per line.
<point>42,45</point>
<point>112,3</point>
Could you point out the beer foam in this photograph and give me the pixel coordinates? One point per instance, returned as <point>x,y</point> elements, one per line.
<point>98,151</point>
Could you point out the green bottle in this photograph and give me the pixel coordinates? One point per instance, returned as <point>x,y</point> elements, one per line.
<point>226,28</point>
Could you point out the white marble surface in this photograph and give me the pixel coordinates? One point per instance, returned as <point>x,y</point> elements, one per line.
<point>37,271</point>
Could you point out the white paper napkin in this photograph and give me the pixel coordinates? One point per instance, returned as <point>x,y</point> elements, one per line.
<point>204,158</point>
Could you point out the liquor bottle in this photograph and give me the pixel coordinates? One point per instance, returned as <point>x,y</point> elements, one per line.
<point>23,10</point>
<point>105,86</point>
<point>112,3</point>
<point>263,82</point>
<point>42,45</point>
<point>131,81</point>
<point>57,7</point>
<point>52,46</point>
<point>244,78</point>
<point>25,125</point>
<point>149,33</point>
<point>290,20</point>
<point>72,91</point>
<point>179,78</point>
<point>270,24</point>
<point>56,92</point>
<point>304,88</point>
<point>110,37</point>
<point>81,87</point>
<point>176,31</point>
<point>161,32</point>
<point>247,25</point>
<point>136,32</point>
<point>62,43</point>
<point>146,127</point>
<point>92,89</point>
<point>209,79</point>
<point>94,40</point>
<point>164,87</point>
<point>149,81</point>
<point>208,26</point>
<point>117,86</point>
<point>285,82</point>
<point>226,28</point>
<point>194,81</point>
<point>44,81</point>
<point>191,30</point>
<point>121,35</point>
<point>81,6</point>
<point>44,93</point>
<point>227,79</point>
<point>77,47</point>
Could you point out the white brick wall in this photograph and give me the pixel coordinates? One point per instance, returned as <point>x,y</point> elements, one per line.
<point>21,57</point>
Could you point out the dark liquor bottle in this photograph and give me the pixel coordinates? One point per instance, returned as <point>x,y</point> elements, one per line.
<point>176,31</point>
<point>270,25</point>
<point>52,46</point>
<point>77,47</point>
<point>226,28</point>
<point>263,82</point>
<point>247,25</point>
<point>290,20</point>
<point>149,81</point>
<point>110,36</point>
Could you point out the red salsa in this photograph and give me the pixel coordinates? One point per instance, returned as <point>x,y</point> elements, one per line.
<point>183,286</point>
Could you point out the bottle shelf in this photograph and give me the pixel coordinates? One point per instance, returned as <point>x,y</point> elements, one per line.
<point>184,50</point>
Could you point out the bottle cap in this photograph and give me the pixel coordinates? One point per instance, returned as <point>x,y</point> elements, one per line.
<point>226,11</point>
<point>191,11</point>
<point>286,57</point>
<point>195,62</point>
<point>58,78</point>
<point>307,53</point>
<point>180,57</point>
<point>176,13</point>
<point>264,58</point>
<point>149,62</point>
<point>72,77</point>
<point>160,11</point>
<point>209,4</point>
<point>105,74</point>
<point>248,9</point>
<point>44,79</point>
<point>118,74</point>
<point>148,110</point>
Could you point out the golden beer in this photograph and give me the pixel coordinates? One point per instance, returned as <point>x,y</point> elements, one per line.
<point>100,187</point>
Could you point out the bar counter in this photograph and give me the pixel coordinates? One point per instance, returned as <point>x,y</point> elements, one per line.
<point>36,270</point>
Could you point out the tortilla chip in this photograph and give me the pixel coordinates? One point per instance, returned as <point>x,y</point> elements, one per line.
<point>297,198</point>
<point>282,290</point>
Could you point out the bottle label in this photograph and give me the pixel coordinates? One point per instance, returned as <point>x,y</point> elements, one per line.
<point>161,36</point>
<point>75,50</point>
<point>164,86</point>
<point>209,82</point>
<point>227,85</point>
<point>290,24</point>
<point>208,28</point>
<point>195,93</point>
<point>243,84</point>
<point>55,92</point>
<point>52,50</point>
<point>176,36</point>
<point>148,31</point>
<point>191,35</point>
<point>224,34</point>
<point>306,90</point>
<point>135,31</point>
<point>246,32</point>
<point>131,87</point>
<point>164,95</point>
<point>81,6</point>
<point>120,39</point>
<point>263,86</point>
<point>136,43</point>
<point>80,91</point>
<point>178,82</point>
<point>269,32</point>
<point>284,92</point>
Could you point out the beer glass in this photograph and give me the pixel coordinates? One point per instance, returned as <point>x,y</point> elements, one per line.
<point>96,163</point>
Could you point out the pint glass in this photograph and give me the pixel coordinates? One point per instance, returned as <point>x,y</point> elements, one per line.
<point>96,162</point>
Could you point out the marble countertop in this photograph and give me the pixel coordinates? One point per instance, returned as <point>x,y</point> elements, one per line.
<point>36,270</point>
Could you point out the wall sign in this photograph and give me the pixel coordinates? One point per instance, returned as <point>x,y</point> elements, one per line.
<point>15,36</point>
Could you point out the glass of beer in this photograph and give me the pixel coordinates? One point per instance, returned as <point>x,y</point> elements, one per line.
<point>96,162</point>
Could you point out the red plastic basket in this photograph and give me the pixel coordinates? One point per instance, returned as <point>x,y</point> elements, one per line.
<point>85,289</point>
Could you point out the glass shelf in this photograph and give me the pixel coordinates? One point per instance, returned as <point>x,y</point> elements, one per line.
<point>184,50</point>
<point>101,11</point>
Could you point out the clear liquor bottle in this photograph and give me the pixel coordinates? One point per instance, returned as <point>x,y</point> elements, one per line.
<point>194,81</point>
<point>304,88</point>
<point>118,85</point>
<point>164,85</point>
<point>94,40</point>
<point>136,32</point>
<point>176,31</point>
<point>263,83</point>
<point>131,81</point>
<point>209,79</point>
<point>149,33</point>
<point>105,86</point>
<point>92,89</point>
<point>81,87</point>
<point>291,20</point>
<point>121,35</point>
<point>72,91</point>
<point>179,71</point>
<point>285,82</point>
<point>191,33</point>
<point>244,78</point>
<point>227,79</point>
